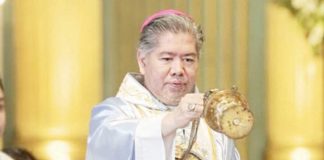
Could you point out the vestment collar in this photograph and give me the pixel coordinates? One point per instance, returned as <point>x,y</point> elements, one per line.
<point>133,91</point>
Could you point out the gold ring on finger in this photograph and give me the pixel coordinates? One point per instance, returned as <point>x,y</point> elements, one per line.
<point>191,107</point>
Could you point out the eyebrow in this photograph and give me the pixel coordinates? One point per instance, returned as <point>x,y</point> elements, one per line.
<point>186,54</point>
<point>168,53</point>
<point>191,54</point>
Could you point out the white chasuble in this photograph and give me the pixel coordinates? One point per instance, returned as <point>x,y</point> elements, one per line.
<point>128,127</point>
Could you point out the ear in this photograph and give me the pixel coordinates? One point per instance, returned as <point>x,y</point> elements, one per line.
<point>141,61</point>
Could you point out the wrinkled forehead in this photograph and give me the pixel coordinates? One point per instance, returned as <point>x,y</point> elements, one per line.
<point>180,38</point>
<point>180,43</point>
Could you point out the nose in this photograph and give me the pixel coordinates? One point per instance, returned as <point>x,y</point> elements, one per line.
<point>177,68</point>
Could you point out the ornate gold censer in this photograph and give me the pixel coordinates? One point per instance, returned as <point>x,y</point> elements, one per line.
<point>225,111</point>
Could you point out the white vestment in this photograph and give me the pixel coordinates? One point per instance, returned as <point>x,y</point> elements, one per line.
<point>128,127</point>
<point>4,156</point>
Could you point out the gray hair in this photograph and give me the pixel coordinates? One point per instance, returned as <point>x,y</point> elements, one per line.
<point>169,23</point>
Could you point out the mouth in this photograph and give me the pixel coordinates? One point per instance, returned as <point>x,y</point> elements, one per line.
<point>177,86</point>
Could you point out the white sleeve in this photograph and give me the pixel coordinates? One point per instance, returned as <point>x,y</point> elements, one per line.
<point>226,147</point>
<point>4,156</point>
<point>148,140</point>
<point>230,150</point>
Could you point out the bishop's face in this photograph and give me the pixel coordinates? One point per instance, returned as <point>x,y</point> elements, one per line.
<point>170,69</point>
